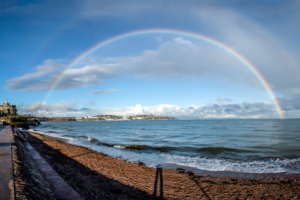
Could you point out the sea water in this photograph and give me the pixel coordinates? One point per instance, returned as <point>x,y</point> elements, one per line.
<point>243,145</point>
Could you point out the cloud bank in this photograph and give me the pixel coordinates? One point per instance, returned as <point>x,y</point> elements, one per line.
<point>103,91</point>
<point>291,108</point>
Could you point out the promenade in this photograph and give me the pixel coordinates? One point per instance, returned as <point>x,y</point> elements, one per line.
<point>6,171</point>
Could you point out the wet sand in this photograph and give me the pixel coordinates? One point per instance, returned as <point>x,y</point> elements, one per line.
<point>94,175</point>
<point>231,173</point>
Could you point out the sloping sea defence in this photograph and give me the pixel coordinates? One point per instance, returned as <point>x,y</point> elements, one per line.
<point>95,175</point>
<point>29,182</point>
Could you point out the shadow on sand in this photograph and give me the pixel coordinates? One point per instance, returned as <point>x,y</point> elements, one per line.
<point>197,183</point>
<point>158,175</point>
<point>88,183</point>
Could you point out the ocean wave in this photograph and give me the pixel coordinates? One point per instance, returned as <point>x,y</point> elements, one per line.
<point>66,138</point>
<point>213,164</point>
<point>198,146</point>
<point>118,146</point>
<point>51,131</point>
<point>82,136</point>
<point>66,129</point>
<point>98,142</point>
<point>152,159</point>
<point>217,149</point>
<point>184,148</point>
<point>140,147</point>
<point>93,140</point>
<point>31,130</point>
<point>68,135</point>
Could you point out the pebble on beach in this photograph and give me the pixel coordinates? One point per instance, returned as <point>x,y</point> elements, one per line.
<point>96,175</point>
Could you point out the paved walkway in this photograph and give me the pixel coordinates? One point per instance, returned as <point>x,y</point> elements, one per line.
<point>6,171</point>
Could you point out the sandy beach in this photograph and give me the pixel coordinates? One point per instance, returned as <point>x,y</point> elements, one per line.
<point>95,175</point>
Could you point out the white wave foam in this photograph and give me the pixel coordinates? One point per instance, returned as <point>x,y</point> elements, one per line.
<point>66,138</point>
<point>48,134</point>
<point>209,164</point>
<point>34,131</point>
<point>118,146</point>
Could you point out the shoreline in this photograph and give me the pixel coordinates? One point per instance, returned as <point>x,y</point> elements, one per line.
<point>114,120</point>
<point>174,166</point>
<point>84,166</point>
<point>232,174</point>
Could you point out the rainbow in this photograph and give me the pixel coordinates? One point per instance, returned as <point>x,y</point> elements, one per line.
<point>180,33</point>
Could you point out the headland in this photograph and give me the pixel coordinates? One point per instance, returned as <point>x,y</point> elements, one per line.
<point>107,118</point>
<point>9,116</point>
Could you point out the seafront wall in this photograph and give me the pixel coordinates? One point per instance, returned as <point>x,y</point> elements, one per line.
<point>41,178</point>
<point>24,174</point>
<point>6,169</point>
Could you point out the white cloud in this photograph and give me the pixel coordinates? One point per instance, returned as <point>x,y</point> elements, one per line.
<point>221,100</point>
<point>46,75</point>
<point>48,72</point>
<point>44,106</point>
<point>52,110</point>
<point>291,108</point>
<point>179,58</point>
<point>103,91</point>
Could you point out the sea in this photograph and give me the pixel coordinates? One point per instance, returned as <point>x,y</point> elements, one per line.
<point>249,146</point>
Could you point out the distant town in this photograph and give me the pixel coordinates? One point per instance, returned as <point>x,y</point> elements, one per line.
<point>107,118</point>
<point>8,114</point>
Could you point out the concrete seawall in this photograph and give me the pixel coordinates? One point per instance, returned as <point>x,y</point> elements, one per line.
<point>6,170</point>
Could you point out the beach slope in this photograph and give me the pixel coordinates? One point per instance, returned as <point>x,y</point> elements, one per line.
<point>94,175</point>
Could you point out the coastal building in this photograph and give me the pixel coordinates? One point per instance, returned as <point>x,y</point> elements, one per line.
<point>8,109</point>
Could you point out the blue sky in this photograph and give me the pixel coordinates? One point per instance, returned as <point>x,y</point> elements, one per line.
<point>158,74</point>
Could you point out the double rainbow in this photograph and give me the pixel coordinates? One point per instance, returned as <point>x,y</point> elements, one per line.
<point>180,33</point>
